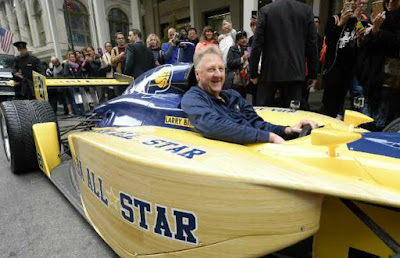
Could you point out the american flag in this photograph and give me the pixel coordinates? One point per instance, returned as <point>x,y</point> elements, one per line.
<point>6,37</point>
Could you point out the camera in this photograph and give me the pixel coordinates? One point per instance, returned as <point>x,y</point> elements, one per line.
<point>178,38</point>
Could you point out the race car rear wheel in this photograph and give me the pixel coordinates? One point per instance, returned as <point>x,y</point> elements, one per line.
<point>17,119</point>
<point>393,127</point>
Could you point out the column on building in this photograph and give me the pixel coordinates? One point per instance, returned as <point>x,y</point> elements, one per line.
<point>150,18</point>
<point>92,22</point>
<point>103,33</point>
<point>12,20</point>
<point>48,10</point>
<point>192,23</point>
<point>3,19</point>
<point>32,23</point>
<point>248,7</point>
<point>135,12</point>
<point>316,7</point>
<point>23,27</point>
<point>61,29</point>
<point>157,28</point>
<point>46,21</point>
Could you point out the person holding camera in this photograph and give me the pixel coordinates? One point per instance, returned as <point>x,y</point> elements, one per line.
<point>340,58</point>
<point>92,63</point>
<point>382,86</point>
<point>170,49</point>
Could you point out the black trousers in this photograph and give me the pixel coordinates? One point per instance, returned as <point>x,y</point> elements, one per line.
<point>291,90</point>
<point>337,82</point>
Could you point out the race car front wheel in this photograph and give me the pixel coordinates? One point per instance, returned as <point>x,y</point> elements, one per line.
<point>393,127</point>
<point>17,119</point>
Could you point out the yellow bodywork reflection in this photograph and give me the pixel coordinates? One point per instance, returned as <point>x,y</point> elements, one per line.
<point>47,146</point>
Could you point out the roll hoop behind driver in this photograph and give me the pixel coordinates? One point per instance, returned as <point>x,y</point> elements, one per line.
<point>224,114</point>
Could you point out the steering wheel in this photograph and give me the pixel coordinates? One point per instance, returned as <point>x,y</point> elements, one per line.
<point>305,131</point>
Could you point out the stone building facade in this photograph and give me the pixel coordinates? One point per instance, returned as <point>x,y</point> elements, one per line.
<point>52,28</point>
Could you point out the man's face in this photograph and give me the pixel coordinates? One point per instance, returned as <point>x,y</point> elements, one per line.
<point>211,74</point>
<point>393,5</point>
<point>120,40</point>
<point>55,62</point>
<point>132,37</point>
<point>362,5</point>
<point>171,33</point>
<point>316,22</point>
<point>226,26</point>
<point>23,51</point>
<point>192,35</point>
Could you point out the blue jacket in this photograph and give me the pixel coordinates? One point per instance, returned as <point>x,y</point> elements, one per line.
<point>232,121</point>
<point>170,53</point>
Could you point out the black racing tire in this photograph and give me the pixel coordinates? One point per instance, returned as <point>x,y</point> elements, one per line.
<point>393,127</point>
<point>17,119</point>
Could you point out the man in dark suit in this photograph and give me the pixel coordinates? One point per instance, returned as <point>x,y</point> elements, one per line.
<point>139,58</point>
<point>286,36</point>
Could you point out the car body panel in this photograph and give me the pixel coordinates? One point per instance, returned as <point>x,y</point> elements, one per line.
<point>151,186</point>
<point>113,174</point>
<point>47,146</point>
<point>342,234</point>
<point>384,144</point>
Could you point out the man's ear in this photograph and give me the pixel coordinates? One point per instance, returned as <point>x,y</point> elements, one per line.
<point>197,73</point>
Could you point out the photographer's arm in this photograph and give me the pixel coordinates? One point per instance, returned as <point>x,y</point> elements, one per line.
<point>167,55</point>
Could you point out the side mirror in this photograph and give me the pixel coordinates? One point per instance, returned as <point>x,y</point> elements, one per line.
<point>354,118</point>
<point>332,138</point>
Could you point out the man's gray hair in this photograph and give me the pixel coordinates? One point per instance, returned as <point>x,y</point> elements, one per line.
<point>205,51</point>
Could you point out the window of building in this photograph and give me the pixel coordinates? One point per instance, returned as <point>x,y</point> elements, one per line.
<point>118,22</point>
<point>39,23</point>
<point>77,23</point>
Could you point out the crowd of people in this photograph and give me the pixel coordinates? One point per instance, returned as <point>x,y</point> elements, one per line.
<point>278,65</point>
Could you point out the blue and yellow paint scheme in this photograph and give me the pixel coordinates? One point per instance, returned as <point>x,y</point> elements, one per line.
<point>151,186</point>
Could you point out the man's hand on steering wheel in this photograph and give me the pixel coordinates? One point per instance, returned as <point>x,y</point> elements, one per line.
<point>297,129</point>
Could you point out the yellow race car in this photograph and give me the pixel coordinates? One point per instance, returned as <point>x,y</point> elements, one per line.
<point>151,186</point>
